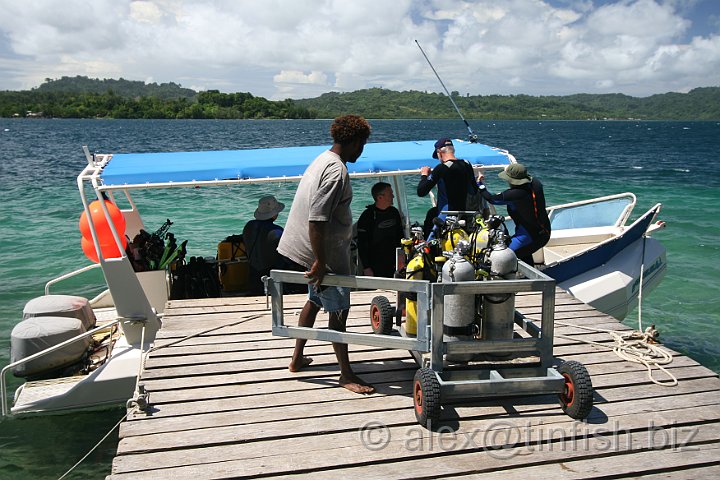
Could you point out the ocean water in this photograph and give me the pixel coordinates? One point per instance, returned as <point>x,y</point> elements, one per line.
<point>673,163</point>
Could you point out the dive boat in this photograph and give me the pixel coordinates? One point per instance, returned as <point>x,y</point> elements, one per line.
<point>598,258</point>
<point>76,353</point>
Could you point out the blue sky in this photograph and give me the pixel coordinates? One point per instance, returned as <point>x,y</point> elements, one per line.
<point>302,48</point>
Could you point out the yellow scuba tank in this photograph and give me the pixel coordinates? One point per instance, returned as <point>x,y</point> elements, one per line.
<point>414,271</point>
<point>451,239</point>
<point>479,239</point>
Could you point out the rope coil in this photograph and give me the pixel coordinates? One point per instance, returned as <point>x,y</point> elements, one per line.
<point>636,347</point>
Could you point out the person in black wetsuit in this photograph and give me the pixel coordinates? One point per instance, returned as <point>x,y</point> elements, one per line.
<point>525,201</point>
<point>453,177</point>
<point>379,230</point>
<point>261,237</point>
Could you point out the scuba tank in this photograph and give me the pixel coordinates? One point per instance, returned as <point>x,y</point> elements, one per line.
<point>478,240</point>
<point>459,309</point>
<point>498,316</point>
<point>420,267</point>
<point>414,271</point>
<point>453,234</point>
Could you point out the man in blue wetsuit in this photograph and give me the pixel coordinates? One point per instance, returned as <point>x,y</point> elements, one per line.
<point>453,177</point>
<point>525,202</point>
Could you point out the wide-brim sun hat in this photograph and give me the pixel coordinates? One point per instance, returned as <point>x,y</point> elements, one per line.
<point>515,174</point>
<point>268,207</point>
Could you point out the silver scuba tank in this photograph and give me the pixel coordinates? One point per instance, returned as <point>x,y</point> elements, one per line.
<point>498,310</point>
<point>459,310</point>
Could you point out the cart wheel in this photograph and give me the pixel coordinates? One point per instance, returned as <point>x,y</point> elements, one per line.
<point>576,398</point>
<point>381,315</point>
<point>426,397</point>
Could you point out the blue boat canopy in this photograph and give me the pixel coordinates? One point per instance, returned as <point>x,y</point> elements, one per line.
<point>383,158</point>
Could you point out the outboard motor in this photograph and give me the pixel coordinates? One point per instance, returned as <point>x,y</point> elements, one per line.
<point>48,321</point>
<point>499,309</point>
<point>459,311</point>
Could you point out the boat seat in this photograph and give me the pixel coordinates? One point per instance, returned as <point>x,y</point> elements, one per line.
<point>575,236</point>
<point>567,242</point>
<point>61,306</point>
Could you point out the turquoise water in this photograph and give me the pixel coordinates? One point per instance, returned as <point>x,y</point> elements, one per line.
<point>674,163</point>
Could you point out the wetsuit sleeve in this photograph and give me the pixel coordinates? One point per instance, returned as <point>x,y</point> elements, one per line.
<point>428,182</point>
<point>497,199</point>
<point>364,226</point>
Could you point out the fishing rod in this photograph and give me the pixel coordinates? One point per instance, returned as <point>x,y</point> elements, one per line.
<point>473,137</point>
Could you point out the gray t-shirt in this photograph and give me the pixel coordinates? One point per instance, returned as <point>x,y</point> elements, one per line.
<point>323,195</point>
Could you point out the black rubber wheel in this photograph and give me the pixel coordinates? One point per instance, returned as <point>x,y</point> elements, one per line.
<point>576,398</point>
<point>382,315</point>
<point>426,397</point>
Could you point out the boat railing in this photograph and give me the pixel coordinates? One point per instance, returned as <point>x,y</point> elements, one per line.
<point>54,348</point>
<point>69,275</point>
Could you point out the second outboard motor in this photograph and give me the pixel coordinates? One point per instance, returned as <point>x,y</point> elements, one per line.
<point>459,311</point>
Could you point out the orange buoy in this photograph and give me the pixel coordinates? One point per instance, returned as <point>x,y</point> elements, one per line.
<point>101,224</point>
<point>108,247</point>
<point>109,250</point>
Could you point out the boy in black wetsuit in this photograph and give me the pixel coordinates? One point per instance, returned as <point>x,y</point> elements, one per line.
<point>525,202</point>
<point>379,233</point>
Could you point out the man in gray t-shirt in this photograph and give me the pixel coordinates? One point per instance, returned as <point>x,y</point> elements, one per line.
<point>317,236</point>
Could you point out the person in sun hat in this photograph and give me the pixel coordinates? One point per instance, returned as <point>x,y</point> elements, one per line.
<point>452,176</point>
<point>261,237</point>
<point>525,201</point>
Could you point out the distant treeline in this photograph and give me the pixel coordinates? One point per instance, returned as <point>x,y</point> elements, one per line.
<point>82,97</point>
<point>698,104</point>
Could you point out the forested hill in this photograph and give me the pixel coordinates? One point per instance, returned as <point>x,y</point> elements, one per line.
<point>698,104</point>
<point>82,97</point>
<point>121,87</point>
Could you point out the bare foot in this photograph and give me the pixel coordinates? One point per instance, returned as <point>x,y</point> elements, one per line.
<point>355,384</point>
<point>302,362</point>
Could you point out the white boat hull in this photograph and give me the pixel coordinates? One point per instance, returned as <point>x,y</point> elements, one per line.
<point>614,287</point>
<point>112,383</point>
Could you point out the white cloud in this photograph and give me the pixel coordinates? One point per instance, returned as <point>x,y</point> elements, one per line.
<point>301,48</point>
<point>295,76</point>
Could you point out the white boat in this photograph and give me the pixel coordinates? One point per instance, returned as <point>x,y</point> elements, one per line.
<point>598,258</point>
<point>597,262</point>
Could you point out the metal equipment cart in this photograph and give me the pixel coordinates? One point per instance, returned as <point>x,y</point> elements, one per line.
<point>521,365</point>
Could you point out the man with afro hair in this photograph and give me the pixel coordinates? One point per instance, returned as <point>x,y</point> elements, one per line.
<point>317,236</point>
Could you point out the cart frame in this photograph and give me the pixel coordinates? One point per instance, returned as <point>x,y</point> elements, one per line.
<point>428,347</point>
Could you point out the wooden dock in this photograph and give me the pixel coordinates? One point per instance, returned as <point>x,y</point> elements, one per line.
<point>224,405</point>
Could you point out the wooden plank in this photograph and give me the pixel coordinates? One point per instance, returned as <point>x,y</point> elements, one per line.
<point>262,364</point>
<point>318,452</point>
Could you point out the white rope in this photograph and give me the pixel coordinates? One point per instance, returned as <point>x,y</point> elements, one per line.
<point>642,273</point>
<point>142,363</point>
<point>158,347</point>
<point>96,446</point>
<point>634,347</point>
